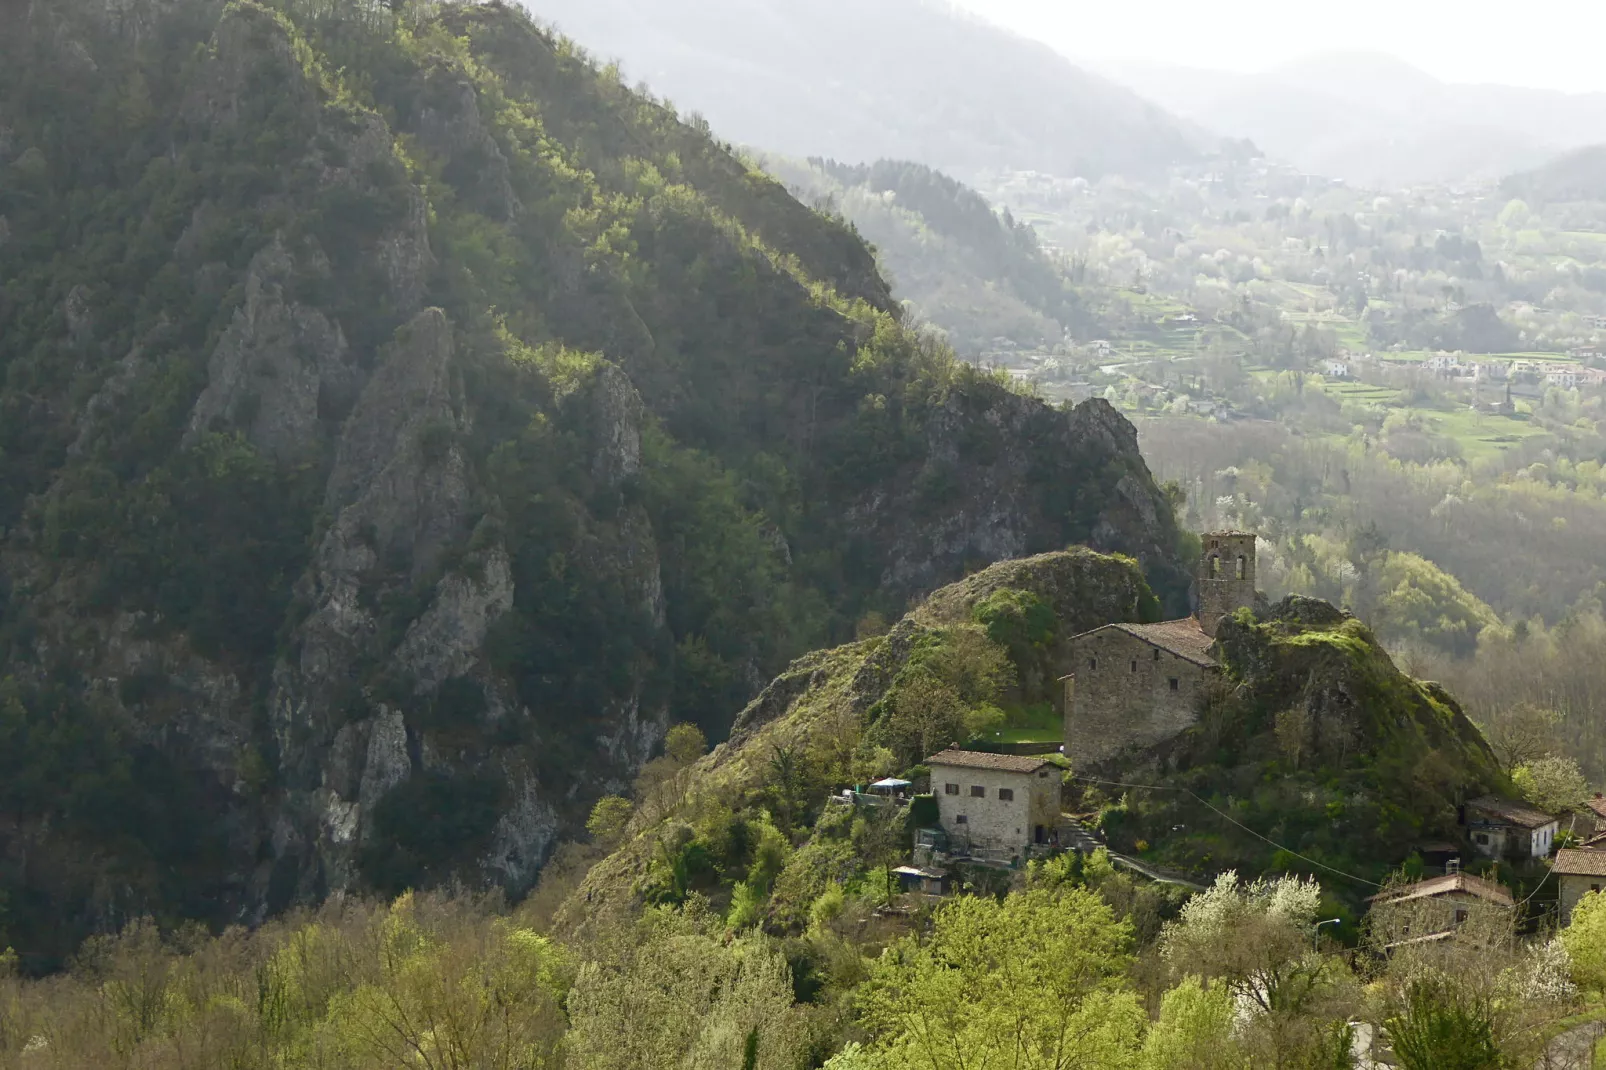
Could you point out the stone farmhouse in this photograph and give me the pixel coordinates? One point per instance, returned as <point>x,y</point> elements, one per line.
<point>1579,871</point>
<point>1136,686</point>
<point>1505,828</point>
<point>995,806</point>
<point>1441,904</point>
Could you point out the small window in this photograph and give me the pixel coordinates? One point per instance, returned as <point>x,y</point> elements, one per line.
<point>1042,776</point>
<point>978,792</point>
<point>950,789</point>
<point>1156,653</point>
<point>1176,685</point>
<point>1481,838</point>
<point>1134,664</point>
<point>1460,916</point>
<point>1006,794</point>
<point>1594,887</point>
<point>1242,566</point>
<point>961,820</point>
<point>1092,663</point>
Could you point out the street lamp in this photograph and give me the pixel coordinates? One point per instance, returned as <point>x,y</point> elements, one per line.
<point>1316,940</point>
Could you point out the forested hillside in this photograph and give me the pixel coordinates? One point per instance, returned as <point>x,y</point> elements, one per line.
<point>879,79</point>
<point>401,421</point>
<point>977,274</point>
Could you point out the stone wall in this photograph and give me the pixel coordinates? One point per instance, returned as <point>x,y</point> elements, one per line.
<point>1226,577</point>
<point>1125,696</point>
<point>989,822</point>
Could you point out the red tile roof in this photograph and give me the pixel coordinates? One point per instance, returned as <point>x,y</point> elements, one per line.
<point>1450,882</point>
<point>975,759</point>
<point>1580,862</point>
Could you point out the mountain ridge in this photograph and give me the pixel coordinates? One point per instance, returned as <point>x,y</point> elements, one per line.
<point>945,88</point>
<point>403,422</point>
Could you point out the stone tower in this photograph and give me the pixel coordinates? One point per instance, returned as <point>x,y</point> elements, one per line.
<point>1226,576</point>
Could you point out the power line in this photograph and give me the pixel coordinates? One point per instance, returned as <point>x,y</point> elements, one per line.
<point>1228,817</point>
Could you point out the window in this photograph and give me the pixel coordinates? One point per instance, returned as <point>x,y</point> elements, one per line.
<point>961,820</point>
<point>1042,776</point>
<point>1092,663</point>
<point>1156,653</point>
<point>1215,566</point>
<point>1481,838</point>
<point>1594,887</point>
<point>1460,916</point>
<point>978,792</point>
<point>1134,664</point>
<point>1006,794</point>
<point>1176,685</point>
<point>950,789</point>
<point>1242,566</point>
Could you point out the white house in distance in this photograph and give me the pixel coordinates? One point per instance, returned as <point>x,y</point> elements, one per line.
<point>1506,828</point>
<point>995,804</point>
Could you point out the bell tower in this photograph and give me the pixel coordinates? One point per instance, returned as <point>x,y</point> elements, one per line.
<point>1226,576</point>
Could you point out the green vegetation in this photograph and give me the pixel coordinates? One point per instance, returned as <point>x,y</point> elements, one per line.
<point>361,360</point>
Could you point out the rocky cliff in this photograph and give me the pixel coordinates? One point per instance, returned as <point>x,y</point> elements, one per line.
<point>401,422</point>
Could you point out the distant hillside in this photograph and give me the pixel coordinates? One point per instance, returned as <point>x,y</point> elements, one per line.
<point>1373,120</point>
<point>1578,176</point>
<point>872,79</point>
<point>960,265</point>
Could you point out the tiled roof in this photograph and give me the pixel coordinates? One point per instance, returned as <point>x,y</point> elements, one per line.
<point>975,759</point>
<point>1511,812</point>
<point>1450,882</point>
<point>1575,862</point>
<point>1228,535</point>
<point>1598,805</point>
<point>1184,638</point>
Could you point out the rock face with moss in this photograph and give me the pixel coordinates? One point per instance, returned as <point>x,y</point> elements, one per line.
<point>851,714</point>
<point>402,421</point>
<point>1314,740</point>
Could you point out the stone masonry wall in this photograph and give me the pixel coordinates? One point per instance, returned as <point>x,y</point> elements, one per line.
<point>990,822</point>
<point>1121,698</point>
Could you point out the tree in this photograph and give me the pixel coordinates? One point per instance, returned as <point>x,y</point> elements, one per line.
<point>1438,1024</point>
<point>609,818</point>
<point>1195,1030</point>
<point>1036,980</point>
<point>1524,733</point>
<point>1555,784</point>
<point>1257,939</point>
<point>1585,941</point>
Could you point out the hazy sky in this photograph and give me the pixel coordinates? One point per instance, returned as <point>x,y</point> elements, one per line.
<point>1552,44</point>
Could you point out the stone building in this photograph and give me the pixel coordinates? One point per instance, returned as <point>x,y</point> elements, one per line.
<point>1503,828</point>
<point>1135,686</point>
<point>1579,871</point>
<point>995,805</point>
<point>1436,907</point>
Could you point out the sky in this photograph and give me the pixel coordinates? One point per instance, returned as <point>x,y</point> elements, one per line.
<point>1546,44</point>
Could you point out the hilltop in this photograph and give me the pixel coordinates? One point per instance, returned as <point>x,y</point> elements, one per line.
<point>402,423</point>
<point>1314,739</point>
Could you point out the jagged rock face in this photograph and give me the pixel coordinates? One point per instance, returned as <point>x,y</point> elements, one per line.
<point>388,495</point>
<point>1005,477</point>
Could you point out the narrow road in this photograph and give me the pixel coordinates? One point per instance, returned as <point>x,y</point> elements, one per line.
<point>1574,1049</point>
